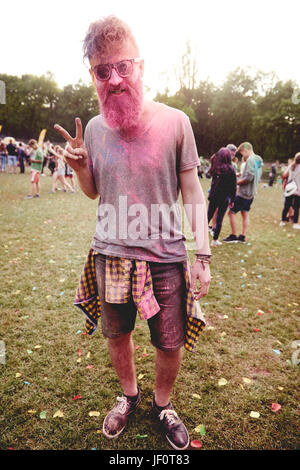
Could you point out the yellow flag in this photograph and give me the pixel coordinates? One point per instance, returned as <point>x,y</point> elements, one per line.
<point>42,136</point>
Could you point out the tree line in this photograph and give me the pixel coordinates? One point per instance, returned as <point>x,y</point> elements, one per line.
<point>247,107</point>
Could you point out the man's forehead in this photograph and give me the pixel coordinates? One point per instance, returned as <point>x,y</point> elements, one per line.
<point>117,53</point>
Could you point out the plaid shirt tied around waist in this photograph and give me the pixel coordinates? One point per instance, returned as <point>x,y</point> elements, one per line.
<point>123,278</point>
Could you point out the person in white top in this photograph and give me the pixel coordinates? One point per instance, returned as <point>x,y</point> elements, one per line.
<point>59,172</point>
<point>293,199</point>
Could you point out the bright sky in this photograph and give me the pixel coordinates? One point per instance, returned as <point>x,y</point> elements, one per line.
<point>37,36</point>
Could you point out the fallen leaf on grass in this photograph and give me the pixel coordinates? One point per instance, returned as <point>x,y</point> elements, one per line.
<point>275,407</point>
<point>200,429</point>
<point>145,354</point>
<point>196,444</point>
<point>222,382</point>
<point>31,412</point>
<point>94,413</point>
<point>246,380</point>
<point>195,395</point>
<point>18,375</point>
<point>254,414</point>
<point>43,414</point>
<point>140,376</point>
<point>58,414</point>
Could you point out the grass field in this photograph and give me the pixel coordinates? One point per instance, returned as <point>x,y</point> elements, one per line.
<point>251,310</point>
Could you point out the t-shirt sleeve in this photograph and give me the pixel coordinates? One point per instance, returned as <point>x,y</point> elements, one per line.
<point>187,155</point>
<point>250,170</point>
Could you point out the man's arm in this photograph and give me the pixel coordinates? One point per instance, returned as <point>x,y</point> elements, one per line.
<point>249,173</point>
<point>76,156</point>
<point>195,208</point>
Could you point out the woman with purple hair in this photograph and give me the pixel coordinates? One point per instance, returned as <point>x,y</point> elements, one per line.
<point>222,191</point>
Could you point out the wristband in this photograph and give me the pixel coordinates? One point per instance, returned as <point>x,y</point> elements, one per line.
<point>204,258</point>
<point>202,262</point>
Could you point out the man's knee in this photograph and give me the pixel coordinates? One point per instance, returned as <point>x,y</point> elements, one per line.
<point>119,341</point>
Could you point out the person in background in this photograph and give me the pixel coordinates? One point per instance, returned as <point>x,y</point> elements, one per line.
<point>36,158</point>
<point>293,200</point>
<point>247,186</point>
<point>12,157</point>
<point>232,148</point>
<point>272,174</point>
<point>3,156</point>
<point>284,178</point>
<point>21,157</point>
<point>223,189</point>
<point>59,173</point>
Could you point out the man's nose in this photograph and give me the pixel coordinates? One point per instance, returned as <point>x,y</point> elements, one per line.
<point>115,78</point>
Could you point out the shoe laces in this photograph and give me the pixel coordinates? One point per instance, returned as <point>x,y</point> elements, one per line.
<point>122,404</point>
<point>170,416</point>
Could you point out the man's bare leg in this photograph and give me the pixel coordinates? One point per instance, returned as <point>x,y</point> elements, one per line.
<point>122,356</point>
<point>167,368</point>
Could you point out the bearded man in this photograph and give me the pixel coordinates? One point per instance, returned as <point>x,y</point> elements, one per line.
<point>137,154</point>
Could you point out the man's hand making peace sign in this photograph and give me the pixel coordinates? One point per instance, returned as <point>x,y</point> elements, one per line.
<point>75,152</point>
<point>76,156</point>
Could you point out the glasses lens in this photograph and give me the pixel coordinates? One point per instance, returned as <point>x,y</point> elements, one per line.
<point>124,68</point>
<point>102,71</point>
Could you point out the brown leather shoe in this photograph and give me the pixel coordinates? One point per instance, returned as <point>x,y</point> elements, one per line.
<point>116,420</point>
<point>174,429</point>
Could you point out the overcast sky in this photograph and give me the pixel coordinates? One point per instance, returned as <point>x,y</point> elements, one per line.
<point>37,36</point>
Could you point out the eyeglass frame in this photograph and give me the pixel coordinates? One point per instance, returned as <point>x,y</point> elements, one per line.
<point>113,66</point>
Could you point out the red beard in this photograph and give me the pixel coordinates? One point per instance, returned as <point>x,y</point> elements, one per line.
<point>121,111</point>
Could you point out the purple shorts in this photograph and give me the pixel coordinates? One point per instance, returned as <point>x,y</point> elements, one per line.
<point>167,327</point>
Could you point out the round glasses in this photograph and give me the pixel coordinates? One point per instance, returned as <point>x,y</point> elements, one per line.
<point>124,69</point>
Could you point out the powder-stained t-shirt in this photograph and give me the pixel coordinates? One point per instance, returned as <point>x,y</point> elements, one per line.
<point>139,215</point>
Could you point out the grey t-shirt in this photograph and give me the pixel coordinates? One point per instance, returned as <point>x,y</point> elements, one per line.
<point>139,215</point>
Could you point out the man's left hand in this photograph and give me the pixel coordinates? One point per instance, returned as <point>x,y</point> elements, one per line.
<point>201,275</point>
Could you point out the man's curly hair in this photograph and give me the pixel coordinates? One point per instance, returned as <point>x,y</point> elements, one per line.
<point>105,35</point>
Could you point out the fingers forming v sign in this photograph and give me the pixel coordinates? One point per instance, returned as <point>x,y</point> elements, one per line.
<point>75,142</point>
<point>75,149</point>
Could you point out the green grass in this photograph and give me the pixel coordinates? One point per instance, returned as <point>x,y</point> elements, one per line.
<point>44,243</point>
